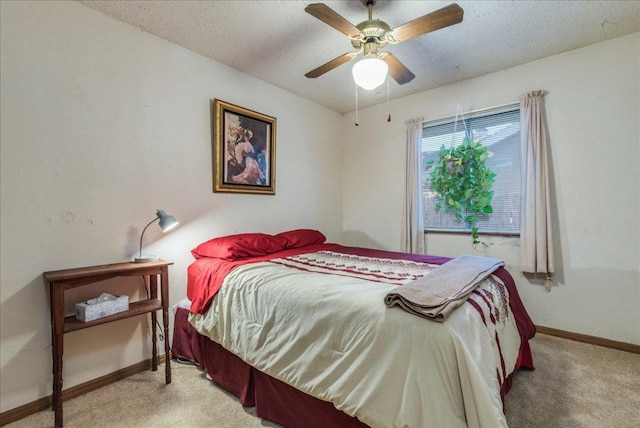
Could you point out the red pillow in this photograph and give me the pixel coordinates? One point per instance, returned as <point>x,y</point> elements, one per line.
<point>241,246</point>
<point>301,238</point>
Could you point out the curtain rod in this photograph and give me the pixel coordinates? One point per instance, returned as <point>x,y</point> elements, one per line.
<point>472,113</point>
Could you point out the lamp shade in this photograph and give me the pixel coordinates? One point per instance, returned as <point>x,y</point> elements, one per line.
<point>369,73</point>
<point>167,222</point>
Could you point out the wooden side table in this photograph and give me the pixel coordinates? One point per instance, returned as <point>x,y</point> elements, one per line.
<point>62,280</point>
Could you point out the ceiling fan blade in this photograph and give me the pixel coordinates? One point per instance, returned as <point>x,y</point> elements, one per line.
<point>331,65</point>
<point>441,18</point>
<point>325,14</point>
<point>397,70</point>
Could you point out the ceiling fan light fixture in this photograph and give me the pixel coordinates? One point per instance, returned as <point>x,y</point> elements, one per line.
<point>369,73</point>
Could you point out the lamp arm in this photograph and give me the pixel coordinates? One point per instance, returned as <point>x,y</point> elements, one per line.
<point>143,230</point>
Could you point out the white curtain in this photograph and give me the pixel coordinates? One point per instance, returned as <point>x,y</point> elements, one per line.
<point>536,241</point>
<point>413,240</point>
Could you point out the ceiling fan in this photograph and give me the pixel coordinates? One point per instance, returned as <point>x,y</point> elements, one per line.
<point>371,35</point>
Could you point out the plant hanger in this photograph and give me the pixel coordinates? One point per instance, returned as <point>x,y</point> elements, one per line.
<point>455,126</point>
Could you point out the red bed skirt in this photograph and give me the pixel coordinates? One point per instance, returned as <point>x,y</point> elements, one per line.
<point>274,400</point>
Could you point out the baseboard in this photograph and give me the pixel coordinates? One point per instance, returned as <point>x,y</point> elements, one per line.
<point>75,391</point>
<point>592,340</point>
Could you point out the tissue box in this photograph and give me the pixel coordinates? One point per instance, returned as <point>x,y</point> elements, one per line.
<point>86,311</point>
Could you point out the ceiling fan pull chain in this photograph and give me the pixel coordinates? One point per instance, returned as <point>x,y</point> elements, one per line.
<point>388,107</point>
<point>356,105</point>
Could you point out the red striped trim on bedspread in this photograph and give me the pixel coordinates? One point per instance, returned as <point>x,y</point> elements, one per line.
<point>492,312</point>
<point>389,271</point>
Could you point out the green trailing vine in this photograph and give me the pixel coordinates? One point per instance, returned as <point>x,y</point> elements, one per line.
<point>462,183</point>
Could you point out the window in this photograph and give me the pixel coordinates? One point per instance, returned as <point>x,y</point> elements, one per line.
<point>499,130</point>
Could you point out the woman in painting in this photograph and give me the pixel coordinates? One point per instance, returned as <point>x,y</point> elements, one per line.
<point>245,155</point>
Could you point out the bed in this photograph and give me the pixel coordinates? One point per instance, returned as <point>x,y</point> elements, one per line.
<point>299,329</point>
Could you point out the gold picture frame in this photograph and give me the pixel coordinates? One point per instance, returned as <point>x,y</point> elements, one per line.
<point>244,150</point>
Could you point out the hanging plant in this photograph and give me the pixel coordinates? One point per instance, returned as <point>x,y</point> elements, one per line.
<point>462,183</point>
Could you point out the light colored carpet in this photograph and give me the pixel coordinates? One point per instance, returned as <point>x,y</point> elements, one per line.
<point>574,385</point>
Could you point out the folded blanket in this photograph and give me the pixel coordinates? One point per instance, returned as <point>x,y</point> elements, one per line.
<point>437,294</point>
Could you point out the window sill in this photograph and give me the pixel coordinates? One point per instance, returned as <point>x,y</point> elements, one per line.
<point>468,232</point>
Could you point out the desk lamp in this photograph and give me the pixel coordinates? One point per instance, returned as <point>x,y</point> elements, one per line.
<point>167,222</point>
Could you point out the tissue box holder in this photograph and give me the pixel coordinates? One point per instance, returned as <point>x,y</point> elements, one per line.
<point>86,312</point>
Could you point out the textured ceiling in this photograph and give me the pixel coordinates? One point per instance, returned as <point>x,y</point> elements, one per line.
<point>278,42</point>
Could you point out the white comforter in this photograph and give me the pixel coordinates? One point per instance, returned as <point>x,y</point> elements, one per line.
<point>332,337</point>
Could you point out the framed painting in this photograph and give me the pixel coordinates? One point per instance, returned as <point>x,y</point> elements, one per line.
<point>244,150</point>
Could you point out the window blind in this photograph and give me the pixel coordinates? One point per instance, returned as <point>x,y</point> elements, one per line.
<point>499,131</point>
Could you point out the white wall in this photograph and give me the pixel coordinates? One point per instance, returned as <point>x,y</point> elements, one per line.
<point>593,110</point>
<point>101,124</point>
